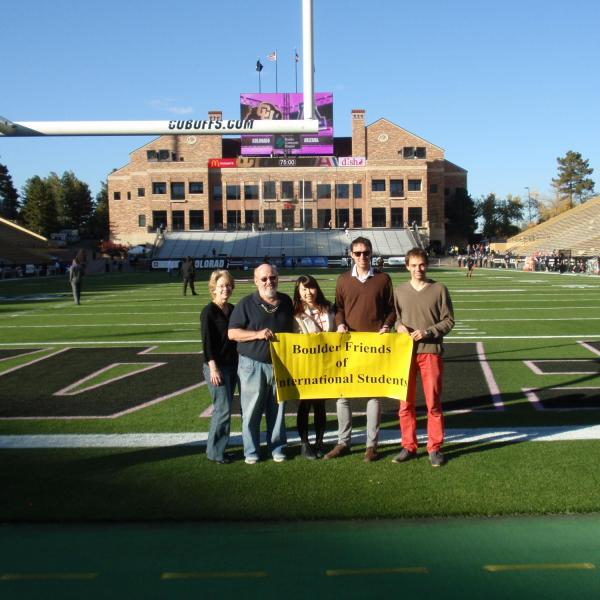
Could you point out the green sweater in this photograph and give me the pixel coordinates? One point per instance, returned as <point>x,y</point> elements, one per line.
<point>429,308</point>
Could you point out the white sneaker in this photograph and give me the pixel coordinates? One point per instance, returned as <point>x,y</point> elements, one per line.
<point>279,458</point>
<point>251,461</point>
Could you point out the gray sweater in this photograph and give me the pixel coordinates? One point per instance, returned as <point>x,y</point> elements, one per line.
<point>429,308</point>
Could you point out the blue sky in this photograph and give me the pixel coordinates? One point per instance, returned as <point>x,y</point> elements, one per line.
<point>504,87</point>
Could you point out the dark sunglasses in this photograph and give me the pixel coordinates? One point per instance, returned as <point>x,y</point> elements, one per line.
<point>363,253</point>
<point>269,278</point>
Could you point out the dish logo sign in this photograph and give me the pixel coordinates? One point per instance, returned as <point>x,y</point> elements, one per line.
<point>222,163</point>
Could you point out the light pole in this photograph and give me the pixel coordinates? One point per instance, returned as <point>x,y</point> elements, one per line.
<point>529,203</point>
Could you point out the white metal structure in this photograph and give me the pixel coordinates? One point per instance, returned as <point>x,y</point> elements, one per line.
<point>187,126</point>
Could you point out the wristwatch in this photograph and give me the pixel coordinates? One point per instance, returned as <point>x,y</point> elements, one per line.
<point>428,333</point>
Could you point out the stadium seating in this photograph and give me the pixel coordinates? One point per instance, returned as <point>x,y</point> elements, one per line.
<point>575,230</point>
<point>254,244</point>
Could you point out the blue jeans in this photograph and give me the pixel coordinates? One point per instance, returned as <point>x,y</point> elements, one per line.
<point>220,423</point>
<point>258,395</point>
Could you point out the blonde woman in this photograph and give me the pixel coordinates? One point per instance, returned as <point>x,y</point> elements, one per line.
<point>220,362</point>
<point>312,314</point>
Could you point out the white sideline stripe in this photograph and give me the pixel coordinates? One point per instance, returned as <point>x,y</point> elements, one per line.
<point>387,436</point>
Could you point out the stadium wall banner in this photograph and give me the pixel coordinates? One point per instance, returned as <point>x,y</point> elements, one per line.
<point>341,365</point>
<point>199,263</point>
<point>287,107</point>
<point>306,261</point>
<point>352,161</point>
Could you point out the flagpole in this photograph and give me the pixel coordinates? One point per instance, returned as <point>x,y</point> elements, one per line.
<point>276,57</point>
<point>296,67</point>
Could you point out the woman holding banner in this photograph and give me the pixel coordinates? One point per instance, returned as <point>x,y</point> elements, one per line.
<point>312,314</point>
<point>220,362</point>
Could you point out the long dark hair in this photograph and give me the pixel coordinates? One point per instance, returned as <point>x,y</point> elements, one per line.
<point>310,282</point>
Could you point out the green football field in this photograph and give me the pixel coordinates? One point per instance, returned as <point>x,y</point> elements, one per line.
<point>103,418</point>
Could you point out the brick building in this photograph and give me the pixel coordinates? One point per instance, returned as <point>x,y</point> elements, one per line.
<point>381,177</point>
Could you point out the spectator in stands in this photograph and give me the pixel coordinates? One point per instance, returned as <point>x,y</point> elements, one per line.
<point>76,273</point>
<point>188,271</point>
<point>364,300</point>
<point>220,362</point>
<point>424,311</point>
<point>312,314</point>
<point>255,321</point>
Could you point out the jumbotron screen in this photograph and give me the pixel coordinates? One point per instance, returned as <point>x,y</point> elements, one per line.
<point>282,107</point>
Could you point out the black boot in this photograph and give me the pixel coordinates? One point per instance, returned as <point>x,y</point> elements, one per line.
<point>307,452</point>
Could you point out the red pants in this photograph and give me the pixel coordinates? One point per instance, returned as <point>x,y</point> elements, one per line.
<point>431,368</point>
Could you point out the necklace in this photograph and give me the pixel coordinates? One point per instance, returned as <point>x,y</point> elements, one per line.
<point>269,309</point>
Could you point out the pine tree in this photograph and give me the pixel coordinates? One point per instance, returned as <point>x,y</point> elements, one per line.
<point>9,198</point>
<point>39,206</point>
<point>573,181</point>
<point>75,202</point>
<point>461,217</point>
<point>99,223</point>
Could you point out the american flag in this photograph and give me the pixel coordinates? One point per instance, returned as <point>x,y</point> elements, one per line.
<point>272,56</point>
<point>296,56</point>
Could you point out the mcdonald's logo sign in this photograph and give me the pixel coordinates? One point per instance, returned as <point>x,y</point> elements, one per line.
<point>222,163</point>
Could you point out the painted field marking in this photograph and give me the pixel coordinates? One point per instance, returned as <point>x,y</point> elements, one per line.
<point>533,365</point>
<point>375,571</point>
<point>174,575</point>
<point>48,576</point>
<point>387,436</point>
<point>530,394</point>
<point>540,567</point>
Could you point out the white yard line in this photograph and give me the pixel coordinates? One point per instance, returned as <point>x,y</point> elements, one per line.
<point>387,436</point>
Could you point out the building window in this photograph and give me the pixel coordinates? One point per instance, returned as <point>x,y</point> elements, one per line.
<point>251,191</point>
<point>270,217</point>
<point>234,219</point>
<point>378,217</point>
<point>378,185</point>
<point>415,216</point>
<point>177,190</point>
<point>196,187</point>
<point>141,192</point>
<point>116,195</point>
<point>357,190</point>
<point>217,219</point>
<point>323,191</point>
<point>342,217</point>
<point>342,191</point>
<point>178,220</point>
<point>446,191</point>
<point>269,190</point>
<point>217,192</point>
<point>232,191</point>
<point>164,155</point>
<point>396,188</point>
<point>307,185</point>
<point>287,218</point>
<point>128,195</point>
<point>306,221</point>
<point>412,152</point>
<point>159,187</point>
<point>397,217</point>
<point>196,219</point>
<point>414,185</point>
<point>433,188</point>
<point>357,218</point>
<point>152,155</point>
<point>251,217</point>
<point>159,219</point>
<point>287,190</point>
<point>141,220</point>
<point>324,218</point>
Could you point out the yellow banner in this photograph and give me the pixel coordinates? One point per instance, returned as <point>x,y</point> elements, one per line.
<point>341,365</point>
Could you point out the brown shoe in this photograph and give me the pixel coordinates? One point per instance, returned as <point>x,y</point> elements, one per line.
<point>338,450</point>
<point>371,454</point>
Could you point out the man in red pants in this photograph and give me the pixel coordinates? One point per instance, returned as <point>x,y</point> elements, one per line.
<point>424,311</point>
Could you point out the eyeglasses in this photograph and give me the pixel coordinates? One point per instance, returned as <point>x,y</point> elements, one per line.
<point>269,278</point>
<point>363,253</point>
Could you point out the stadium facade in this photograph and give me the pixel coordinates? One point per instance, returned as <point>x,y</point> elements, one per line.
<point>381,177</point>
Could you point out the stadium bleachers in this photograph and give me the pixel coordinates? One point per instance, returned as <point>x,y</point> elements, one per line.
<point>575,230</point>
<point>257,244</point>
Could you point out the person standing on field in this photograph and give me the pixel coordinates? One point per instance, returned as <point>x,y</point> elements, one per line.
<point>424,311</point>
<point>364,299</point>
